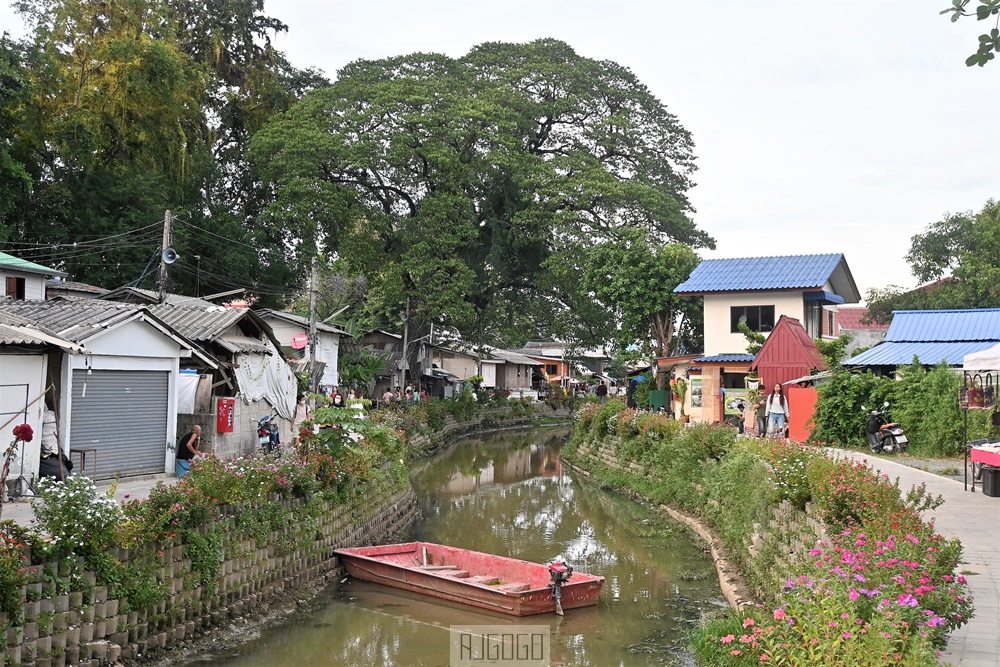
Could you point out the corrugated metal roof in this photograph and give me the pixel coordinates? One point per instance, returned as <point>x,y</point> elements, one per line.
<point>761,273</point>
<point>724,358</point>
<point>513,357</point>
<point>199,324</point>
<point>73,286</point>
<point>73,320</point>
<point>299,320</point>
<point>980,324</point>
<point>236,344</point>
<point>11,262</point>
<point>25,335</point>
<point>788,352</point>
<point>929,353</point>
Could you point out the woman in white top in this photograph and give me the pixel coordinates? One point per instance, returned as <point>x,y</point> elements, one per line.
<point>777,411</point>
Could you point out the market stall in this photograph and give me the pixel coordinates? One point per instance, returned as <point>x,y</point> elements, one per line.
<point>980,374</point>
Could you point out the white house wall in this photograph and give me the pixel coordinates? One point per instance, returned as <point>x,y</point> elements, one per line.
<point>719,340</point>
<point>34,285</point>
<point>19,370</point>
<point>459,365</point>
<point>113,351</point>
<point>327,347</point>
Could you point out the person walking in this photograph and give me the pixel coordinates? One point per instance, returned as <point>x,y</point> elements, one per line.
<point>187,448</point>
<point>302,415</point>
<point>760,413</point>
<point>602,392</point>
<point>777,411</point>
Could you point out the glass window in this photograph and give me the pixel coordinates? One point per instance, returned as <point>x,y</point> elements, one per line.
<point>758,318</point>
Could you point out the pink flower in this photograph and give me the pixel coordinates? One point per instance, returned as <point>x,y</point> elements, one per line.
<point>728,639</point>
<point>779,614</point>
<point>747,622</point>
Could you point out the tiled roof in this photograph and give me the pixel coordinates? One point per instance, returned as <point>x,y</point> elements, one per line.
<point>928,353</point>
<point>745,274</point>
<point>850,320</point>
<point>724,358</point>
<point>980,324</point>
<point>11,262</point>
<point>15,330</point>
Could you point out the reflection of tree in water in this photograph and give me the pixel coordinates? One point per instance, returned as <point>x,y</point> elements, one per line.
<point>469,458</point>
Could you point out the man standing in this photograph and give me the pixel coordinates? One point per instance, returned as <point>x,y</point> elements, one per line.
<point>602,392</point>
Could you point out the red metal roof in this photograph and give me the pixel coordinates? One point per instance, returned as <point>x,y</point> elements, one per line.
<point>850,320</point>
<point>788,353</point>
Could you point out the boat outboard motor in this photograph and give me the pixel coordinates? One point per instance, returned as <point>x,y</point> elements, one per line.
<point>560,573</point>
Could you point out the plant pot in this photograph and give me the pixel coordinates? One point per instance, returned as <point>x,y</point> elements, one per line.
<point>685,418</point>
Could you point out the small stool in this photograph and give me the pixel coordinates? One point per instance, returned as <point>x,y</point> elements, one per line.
<point>83,457</point>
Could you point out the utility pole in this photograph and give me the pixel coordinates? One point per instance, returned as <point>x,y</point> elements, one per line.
<point>312,328</point>
<point>406,334</point>
<point>163,259</point>
<point>197,275</point>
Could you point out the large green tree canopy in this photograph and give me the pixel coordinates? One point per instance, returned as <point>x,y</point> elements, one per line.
<point>127,109</point>
<point>476,187</point>
<point>959,256</point>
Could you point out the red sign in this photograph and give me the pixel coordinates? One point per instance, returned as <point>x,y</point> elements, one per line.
<point>299,341</point>
<point>225,414</point>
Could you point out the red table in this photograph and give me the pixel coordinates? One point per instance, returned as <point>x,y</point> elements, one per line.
<point>990,455</point>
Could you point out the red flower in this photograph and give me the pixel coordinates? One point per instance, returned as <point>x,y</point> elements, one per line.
<point>23,432</point>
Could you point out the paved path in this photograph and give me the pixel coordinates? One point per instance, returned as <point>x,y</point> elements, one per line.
<point>972,518</point>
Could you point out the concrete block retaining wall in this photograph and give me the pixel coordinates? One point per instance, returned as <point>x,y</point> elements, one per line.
<point>780,539</point>
<point>86,627</point>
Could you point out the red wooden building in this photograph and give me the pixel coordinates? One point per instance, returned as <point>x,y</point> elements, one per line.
<point>788,354</point>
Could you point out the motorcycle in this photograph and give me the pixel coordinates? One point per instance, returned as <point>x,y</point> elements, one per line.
<point>267,433</point>
<point>883,435</point>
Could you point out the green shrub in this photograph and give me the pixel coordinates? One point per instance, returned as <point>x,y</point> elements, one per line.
<point>839,419</point>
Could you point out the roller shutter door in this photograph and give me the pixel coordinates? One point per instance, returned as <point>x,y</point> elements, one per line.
<point>124,417</point>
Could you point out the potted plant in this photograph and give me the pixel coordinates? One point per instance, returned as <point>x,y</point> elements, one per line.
<point>681,389</point>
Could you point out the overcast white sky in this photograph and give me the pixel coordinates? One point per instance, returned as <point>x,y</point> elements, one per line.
<point>843,126</point>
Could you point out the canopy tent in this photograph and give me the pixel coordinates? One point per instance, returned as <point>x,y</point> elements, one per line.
<point>984,360</point>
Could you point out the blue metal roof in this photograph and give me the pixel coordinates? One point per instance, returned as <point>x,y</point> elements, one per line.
<point>761,273</point>
<point>724,358</point>
<point>929,353</point>
<point>980,324</point>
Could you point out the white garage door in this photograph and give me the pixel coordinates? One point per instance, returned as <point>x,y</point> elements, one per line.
<point>123,415</point>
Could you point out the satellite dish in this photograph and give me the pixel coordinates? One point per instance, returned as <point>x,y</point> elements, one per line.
<point>169,256</point>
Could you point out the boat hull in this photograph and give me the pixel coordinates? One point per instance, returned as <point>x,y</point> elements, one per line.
<point>495,583</point>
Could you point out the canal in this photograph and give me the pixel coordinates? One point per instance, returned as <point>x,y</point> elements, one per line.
<point>509,494</point>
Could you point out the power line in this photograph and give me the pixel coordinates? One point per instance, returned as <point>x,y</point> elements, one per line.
<point>190,224</point>
<point>98,239</point>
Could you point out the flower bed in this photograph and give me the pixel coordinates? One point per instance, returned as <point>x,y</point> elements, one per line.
<point>879,588</point>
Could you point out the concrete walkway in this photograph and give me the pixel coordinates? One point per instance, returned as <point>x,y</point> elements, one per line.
<point>973,519</point>
<point>21,512</point>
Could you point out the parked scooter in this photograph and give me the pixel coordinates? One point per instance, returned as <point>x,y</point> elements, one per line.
<point>883,435</point>
<point>267,433</point>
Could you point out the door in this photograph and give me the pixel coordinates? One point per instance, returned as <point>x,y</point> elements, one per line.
<point>122,415</point>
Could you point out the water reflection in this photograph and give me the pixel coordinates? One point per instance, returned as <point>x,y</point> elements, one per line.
<point>510,495</point>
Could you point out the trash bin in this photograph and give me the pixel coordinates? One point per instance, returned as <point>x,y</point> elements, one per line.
<point>991,481</point>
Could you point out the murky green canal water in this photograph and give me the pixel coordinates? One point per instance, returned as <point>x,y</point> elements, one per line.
<point>509,495</point>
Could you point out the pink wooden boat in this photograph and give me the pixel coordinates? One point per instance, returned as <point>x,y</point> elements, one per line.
<point>505,585</point>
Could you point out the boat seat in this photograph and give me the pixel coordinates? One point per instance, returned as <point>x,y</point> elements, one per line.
<point>515,587</point>
<point>457,574</point>
<point>486,580</point>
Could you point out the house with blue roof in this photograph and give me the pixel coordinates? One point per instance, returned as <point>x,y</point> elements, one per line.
<point>932,336</point>
<point>759,290</point>
<point>756,291</point>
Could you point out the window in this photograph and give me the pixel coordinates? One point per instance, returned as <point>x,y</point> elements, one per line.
<point>829,320</point>
<point>15,287</point>
<point>758,318</point>
<point>551,369</point>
